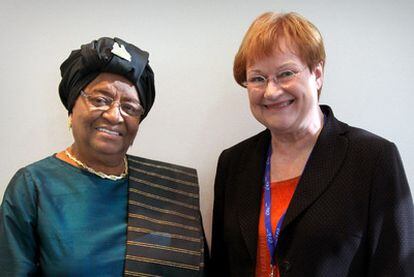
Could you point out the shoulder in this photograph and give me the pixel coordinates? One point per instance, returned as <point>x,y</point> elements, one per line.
<point>38,175</point>
<point>359,140</point>
<point>365,136</point>
<point>259,141</point>
<point>163,179</point>
<point>46,164</point>
<point>45,170</point>
<point>23,183</point>
<point>167,175</point>
<point>155,165</point>
<point>28,172</point>
<point>370,149</point>
<point>367,144</point>
<point>377,156</point>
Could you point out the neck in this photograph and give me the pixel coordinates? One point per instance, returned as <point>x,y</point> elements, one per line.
<point>108,164</point>
<point>301,140</point>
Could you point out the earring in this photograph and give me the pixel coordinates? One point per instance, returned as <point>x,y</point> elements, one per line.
<point>70,122</point>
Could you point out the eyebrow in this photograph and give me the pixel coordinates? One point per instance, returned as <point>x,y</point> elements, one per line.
<point>112,95</point>
<point>280,67</point>
<point>288,64</point>
<point>254,71</point>
<point>103,91</point>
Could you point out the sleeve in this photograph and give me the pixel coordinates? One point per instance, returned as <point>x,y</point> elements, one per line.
<point>18,247</point>
<point>391,226</point>
<point>219,263</point>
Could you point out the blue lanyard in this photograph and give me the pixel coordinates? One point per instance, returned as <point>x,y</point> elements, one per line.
<point>271,238</point>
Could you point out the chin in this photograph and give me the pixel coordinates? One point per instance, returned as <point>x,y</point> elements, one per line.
<point>110,149</point>
<point>278,123</point>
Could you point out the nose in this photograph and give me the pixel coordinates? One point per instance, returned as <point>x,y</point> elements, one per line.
<point>113,114</point>
<point>273,89</point>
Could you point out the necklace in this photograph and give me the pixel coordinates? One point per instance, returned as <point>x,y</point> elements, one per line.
<point>100,173</point>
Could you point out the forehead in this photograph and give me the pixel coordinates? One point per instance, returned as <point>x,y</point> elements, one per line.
<point>276,59</point>
<point>113,83</point>
<point>278,46</point>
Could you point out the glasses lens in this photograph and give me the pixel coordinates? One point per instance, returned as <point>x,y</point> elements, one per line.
<point>131,109</point>
<point>286,76</point>
<point>104,103</point>
<point>99,101</point>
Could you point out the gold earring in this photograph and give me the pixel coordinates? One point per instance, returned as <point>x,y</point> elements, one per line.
<point>70,122</point>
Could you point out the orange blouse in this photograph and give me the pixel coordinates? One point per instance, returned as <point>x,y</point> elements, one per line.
<point>281,194</point>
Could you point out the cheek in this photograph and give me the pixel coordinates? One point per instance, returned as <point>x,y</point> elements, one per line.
<point>254,98</point>
<point>312,86</point>
<point>80,120</point>
<point>76,122</point>
<point>78,129</point>
<point>133,130</point>
<point>132,134</point>
<point>304,91</point>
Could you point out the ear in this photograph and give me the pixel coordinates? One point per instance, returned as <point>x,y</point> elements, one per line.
<point>318,72</point>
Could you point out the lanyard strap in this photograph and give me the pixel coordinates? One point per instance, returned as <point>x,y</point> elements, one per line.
<point>271,238</point>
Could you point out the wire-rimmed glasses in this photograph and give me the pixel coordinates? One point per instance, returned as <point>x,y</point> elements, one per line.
<point>101,102</point>
<point>259,82</point>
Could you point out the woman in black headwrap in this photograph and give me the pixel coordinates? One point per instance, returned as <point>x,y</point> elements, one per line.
<point>92,210</point>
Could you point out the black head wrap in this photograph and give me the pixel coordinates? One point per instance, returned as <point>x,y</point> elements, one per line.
<point>107,55</point>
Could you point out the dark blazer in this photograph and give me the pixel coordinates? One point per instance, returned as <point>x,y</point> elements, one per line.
<point>351,214</point>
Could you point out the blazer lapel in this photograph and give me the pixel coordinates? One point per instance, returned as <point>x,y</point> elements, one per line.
<point>249,190</point>
<point>325,160</point>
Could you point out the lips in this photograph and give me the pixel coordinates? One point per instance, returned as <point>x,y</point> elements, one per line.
<point>280,104</point>
<point>108,131</point>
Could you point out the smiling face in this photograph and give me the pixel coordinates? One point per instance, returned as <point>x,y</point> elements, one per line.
<point>100,134</point>
<point>285,107</point>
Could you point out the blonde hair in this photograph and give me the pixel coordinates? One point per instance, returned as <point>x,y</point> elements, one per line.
<point>267,30</point>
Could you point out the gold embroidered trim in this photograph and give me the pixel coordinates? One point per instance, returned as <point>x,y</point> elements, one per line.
<point>162,262</point>
<point>162,247</point>
<point>139,274</point>
<point>163,234</point>
<point>192,184</point>
<point>165,167</point>
<point>165,211</point>
<point>165,199</point>
<point>163,222</point>
<point>151,184</point>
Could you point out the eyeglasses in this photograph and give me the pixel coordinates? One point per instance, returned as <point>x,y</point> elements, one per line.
<point>260,82</point>
<point>104,103</point>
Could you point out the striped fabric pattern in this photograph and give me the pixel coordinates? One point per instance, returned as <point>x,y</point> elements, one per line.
<point>164,236</point>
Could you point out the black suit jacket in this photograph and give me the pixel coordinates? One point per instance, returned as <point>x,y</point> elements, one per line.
<point>351,214</point>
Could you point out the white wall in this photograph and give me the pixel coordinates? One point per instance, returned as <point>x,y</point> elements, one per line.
<point>199,109</point>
